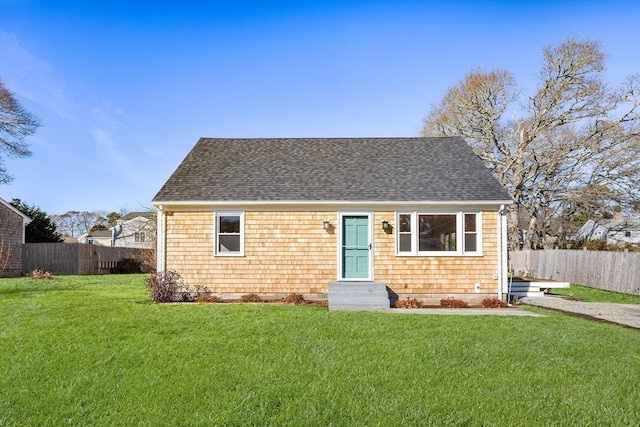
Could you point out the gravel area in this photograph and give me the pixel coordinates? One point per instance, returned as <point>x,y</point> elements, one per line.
<point>621,314</point>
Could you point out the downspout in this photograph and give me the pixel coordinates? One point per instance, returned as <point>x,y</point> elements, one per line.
<point>161,260</point>
<point>502,250</point>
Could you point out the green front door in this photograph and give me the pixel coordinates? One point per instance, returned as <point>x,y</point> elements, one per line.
<point>355,247</point>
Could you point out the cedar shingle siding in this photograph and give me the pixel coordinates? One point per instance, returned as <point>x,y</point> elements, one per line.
<point>11,233</point>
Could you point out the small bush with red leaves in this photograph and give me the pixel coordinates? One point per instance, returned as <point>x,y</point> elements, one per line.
<point>493,303</point>
<point>208,298</point>
<point>408,303</point>
<point>41,274</point>
<point>295,299</point>
<point>250,298</point>
<point>453,303</point>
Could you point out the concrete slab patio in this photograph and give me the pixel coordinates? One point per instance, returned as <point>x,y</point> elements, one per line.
<point>620,314</point>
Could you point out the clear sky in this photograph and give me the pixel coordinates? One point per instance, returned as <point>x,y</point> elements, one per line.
<point>125,88</point>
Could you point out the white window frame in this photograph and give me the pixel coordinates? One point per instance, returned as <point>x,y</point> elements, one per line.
<point>139,237</point>
<point>216,228</point>
<point>460,234</point>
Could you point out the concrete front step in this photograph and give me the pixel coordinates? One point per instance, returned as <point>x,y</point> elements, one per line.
<point>358,296</point>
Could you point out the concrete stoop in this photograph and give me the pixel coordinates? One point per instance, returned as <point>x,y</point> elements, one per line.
<point>358,296</point>
<point>526,288</point>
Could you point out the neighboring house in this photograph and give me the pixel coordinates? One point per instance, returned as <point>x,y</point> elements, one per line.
<point>135,230</point>
<point>97,237</point>
<point>12,233</point>
<point>421,216</point>
<point>615,231</point>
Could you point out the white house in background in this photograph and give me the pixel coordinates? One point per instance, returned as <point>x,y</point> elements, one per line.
<point>615,231</point>
<point>134,230</point>
<point>98,237</point>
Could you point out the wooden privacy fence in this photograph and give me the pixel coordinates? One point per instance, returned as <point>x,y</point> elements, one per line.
<point>74,258</point>
<point>613,271</point>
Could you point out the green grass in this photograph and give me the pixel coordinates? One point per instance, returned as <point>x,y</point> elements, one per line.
<point>585,293</point>
<point>96,351</point>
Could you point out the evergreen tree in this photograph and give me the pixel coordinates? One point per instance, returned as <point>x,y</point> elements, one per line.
<point>40,229</point>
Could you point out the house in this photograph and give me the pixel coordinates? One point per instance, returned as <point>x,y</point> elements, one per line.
<point>135,230</point>
<point>12,237</point>
<point>615,231</point>
<point>420,217</point>
<point>97,237</point>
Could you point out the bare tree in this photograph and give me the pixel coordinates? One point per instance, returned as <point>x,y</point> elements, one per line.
<point>573,141</point>
<point>76,223</point>
<point>15,124</point>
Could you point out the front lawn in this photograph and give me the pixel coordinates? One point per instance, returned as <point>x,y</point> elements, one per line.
<point>95,351</point>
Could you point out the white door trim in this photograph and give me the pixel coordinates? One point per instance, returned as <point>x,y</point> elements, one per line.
<point>339,273</point>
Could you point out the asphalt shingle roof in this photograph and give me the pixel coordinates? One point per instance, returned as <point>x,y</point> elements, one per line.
<point>132,215</point>
<point>100,233</point>
<point>331,169</point>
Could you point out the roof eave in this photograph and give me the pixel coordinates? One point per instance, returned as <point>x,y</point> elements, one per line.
<point>192,205</point>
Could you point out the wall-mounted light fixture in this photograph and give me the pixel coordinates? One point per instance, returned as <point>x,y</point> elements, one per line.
<point>385,225</point>
<point>327,225</point>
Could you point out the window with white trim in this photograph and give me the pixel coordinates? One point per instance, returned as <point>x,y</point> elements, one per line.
<point>140,237</point>
<point>438,234</point>
<point>229,234</point>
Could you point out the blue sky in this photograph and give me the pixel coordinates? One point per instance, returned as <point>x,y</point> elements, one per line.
<point>125,88</point>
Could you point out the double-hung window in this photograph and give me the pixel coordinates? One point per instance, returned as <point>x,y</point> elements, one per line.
<point>140,237</point>
<point>229,234</point>
<point>450,233</point>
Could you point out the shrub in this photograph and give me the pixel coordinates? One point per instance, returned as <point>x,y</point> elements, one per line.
<point>41,274</point>
<point>408,303</point>
<point>493,303</point>
<point>127,266</point>
<point>296,299</point>
<point>250,298</point>
<point>208,298</point>
<point>453,303</point>
<point>165,286</point>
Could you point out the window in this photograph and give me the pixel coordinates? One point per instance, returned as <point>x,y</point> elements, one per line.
<point>229,238</point>
<point>404,233</point>
<point>140,237</point>
<point>438,233</point>
<point>627,234</point>
<point>470,233</point>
